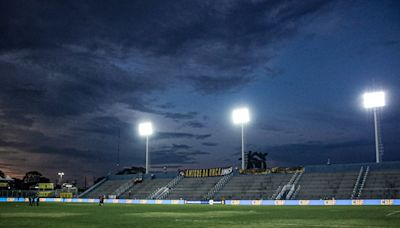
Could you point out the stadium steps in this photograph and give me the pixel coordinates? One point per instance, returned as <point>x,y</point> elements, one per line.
<point>92,188</point>
<point>162,193</point>
<point>143,189</point>
<point>363,183</point>
<point>218,186</point>
<point>357,184</point>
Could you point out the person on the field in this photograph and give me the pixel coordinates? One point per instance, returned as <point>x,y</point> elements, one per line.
<point>37,199</point>
<point>30,198</point>
<point>101,200</point>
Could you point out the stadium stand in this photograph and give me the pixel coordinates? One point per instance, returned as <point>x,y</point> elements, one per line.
<point>106,188</point>
<point>341,181</point>
<point>382,184</point>
<point>247,186</point>
<point>327,185</point>
<point>193,188</point>
<point>143,189</point>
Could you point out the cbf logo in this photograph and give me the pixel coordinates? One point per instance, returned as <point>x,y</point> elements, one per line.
<point>386,202</point>
<point>357,202</point>
<point>279,202</point>
<point>256,202</point>
<point>330,202</point>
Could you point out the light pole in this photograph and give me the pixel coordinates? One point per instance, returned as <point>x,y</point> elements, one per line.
<point>241,116</point>
<point>146,129</point>
<point>61,174</point>
<point>375,100</point>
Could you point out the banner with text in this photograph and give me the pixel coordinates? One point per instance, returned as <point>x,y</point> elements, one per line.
<point>213,172</point>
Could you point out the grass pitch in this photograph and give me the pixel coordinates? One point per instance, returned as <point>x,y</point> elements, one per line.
<point>121,215</point>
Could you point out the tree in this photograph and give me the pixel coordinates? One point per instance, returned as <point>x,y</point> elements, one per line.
<point>2,175</point>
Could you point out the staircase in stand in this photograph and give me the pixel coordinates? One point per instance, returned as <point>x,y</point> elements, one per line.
<point>162,193</point>
<point>357,184</point>
<point>363,183</point>
<point>288,190</point>
<point>218,186</point>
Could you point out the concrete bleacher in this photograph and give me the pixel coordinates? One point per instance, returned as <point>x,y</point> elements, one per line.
<point>145,188</point>
<point>382,184</point>
<point>261,186</point>
<point>338,185</point>
<point>193,188</point>
<point>106,188</point>
<point>316,182</point>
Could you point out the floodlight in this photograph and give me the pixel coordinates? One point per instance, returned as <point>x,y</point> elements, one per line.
<point>145,129</point>
<point>240,116</point>
<point>374,99</point>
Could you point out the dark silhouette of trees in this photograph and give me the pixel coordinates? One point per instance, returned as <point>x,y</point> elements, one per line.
<point>2,174</point>
<point>32,178</point>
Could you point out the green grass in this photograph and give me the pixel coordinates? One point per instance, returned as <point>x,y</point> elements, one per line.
<point>121,216</point>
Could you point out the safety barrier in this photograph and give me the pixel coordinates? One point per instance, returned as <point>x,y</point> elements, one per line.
<point>359,202</point>
<point>314,202</point>
<point>78,200</point>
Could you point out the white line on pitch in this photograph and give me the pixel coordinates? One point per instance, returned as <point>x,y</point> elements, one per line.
<point>393,213</point>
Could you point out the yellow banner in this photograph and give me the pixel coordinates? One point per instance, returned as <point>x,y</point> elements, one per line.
<point>46,186</point>
<point>45,194</point>
<point>207,172</point>
<point>66,194</point>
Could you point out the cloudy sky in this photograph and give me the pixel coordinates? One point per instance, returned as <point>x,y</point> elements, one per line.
<point>74,75</point>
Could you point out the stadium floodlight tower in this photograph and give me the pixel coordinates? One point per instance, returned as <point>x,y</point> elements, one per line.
<point>61,174</point>
<point>241,116</point>
<point>375,100</point>
<point>146,129</point>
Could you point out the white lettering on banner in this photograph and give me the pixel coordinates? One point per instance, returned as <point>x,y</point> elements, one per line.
<point>226,171</point>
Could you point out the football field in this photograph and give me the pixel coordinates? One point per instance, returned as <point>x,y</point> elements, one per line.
<point>124,215</point>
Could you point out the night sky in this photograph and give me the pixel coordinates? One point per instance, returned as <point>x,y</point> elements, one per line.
<point>76,74</point>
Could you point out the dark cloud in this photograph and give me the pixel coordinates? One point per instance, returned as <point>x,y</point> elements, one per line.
<point>167,105</point>
<point>107,125</point>
<point>194,124</point>
<point>66,65</point>
<point>67,152</point>
<point>180,146</point>
<point>390,43</point>
<point>171,135</point>
<point>173,157</point>
<point>203,136</point>
<point>209,144</point>
<point>180,116</point>
<point>209,84</point>
<point>270,127</point>
<point>315,152</point>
